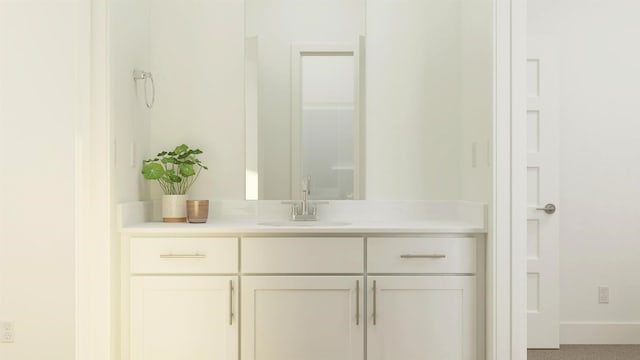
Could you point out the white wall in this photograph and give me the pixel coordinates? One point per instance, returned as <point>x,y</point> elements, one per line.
<point>197,60</point>
<point>43,77</point>
<point>130,118</point>
<point>595,43</point>
<point>476,100</point>
<point>413,103</point>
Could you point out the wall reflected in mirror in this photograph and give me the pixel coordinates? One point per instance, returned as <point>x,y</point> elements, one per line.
<point>394,112</point>
<point>224,73</point>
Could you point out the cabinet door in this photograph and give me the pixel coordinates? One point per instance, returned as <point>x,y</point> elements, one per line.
<point>421,317</point>
<point>302,318</point>
<point>184,317</point>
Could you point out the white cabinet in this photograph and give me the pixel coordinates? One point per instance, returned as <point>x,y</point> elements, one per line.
<point>421,317</point>
<point>177,255</point>
<point>303,298</point>
<point>421,255</point>
<point>302,318</point>
<point>303,255</point>
<point>180,298</point>
<point>184,317</point>
<point>422,299</point>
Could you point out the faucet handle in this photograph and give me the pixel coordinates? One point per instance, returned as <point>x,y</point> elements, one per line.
<point>294,207</point>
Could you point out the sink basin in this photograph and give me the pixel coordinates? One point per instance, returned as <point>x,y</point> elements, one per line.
<point>304,223</point>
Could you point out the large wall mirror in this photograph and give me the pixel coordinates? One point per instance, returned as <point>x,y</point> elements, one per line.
<point>367,99</point>
<point>370,99</point>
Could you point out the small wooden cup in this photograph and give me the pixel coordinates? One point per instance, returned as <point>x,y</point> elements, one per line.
<point>197,211</point>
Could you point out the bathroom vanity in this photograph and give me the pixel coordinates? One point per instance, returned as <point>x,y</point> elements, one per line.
<point>366,288</point>
<point>374,100</point>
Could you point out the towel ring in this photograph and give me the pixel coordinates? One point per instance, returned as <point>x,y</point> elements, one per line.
<point>146,76</point>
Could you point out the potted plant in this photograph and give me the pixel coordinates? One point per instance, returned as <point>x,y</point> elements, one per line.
<point>175,171</point>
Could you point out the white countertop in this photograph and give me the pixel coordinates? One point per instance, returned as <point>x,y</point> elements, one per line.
<point>240,218</point>
<point>213,227</point>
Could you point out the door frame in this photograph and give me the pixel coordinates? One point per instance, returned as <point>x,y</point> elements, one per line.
<point>337,49</point>
<point>507,262</point>
<point>96,294</point>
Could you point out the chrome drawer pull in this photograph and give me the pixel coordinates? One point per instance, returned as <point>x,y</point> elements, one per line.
<point>432,256</point>
<point>230,302</point>
<point>182,256</point>
<point>375,317</point>
<point>357,302</point>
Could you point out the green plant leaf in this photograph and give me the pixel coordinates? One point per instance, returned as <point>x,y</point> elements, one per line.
<point>174,178</point>
<point>187,170</point>
<point>152,171</point>
<point>180,149</point>
<point>174,170</point>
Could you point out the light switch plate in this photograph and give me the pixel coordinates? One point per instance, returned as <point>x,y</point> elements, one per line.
<point>603,294</point>
<point>6,332</point>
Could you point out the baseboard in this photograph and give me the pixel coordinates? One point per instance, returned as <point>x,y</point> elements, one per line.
<point>600,333</point>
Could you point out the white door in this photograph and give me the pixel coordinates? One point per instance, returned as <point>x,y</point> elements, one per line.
<point>542,182</point>
<point>421,317</point>
<point>184,317</point>
<point>302,318</point>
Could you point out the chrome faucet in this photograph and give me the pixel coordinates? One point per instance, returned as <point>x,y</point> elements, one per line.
<point>306,191</point>
<point>305,210</point>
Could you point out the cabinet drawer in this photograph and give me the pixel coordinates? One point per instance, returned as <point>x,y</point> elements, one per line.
<point>184,255</point>
<point>421,255</point>
<point>306,255</point>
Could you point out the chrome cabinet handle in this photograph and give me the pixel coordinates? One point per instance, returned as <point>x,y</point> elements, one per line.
<point>182,256</point>
<point>374,302</point>
<point>549,208</point>
<point>357,302</point>
<point>426,256</point>
<point>230,302</point>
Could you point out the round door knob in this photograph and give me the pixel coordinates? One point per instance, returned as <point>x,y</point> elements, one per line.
<point>549,209</point>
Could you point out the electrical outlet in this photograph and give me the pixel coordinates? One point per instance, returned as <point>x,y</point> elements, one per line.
<point>603,294</point>
<point>7,333</point>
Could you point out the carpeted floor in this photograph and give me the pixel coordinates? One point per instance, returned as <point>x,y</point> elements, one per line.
<point>587,352</point>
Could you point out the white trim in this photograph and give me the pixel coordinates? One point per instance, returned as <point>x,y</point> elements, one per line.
<point>94,331</point>
<point>83,182</point>
<point>499,326</point>
<point>251,111</point>
<point>360,150</point>
<point>518,180</point>
<point>614,333</point>
<point>507,262</point>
